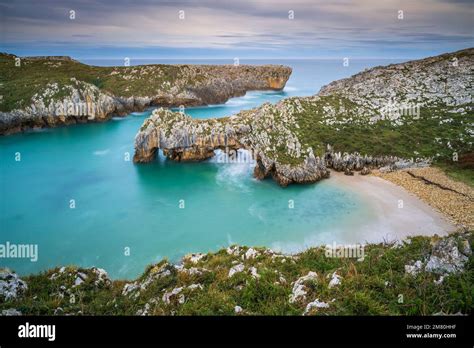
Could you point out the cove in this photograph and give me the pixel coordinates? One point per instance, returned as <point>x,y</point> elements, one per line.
<point>119,205</point>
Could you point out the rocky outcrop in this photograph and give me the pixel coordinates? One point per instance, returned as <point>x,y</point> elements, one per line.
<point>448,255</point>
<point>441,80</point>
<point>183,138</point>
<point>343,162</point>
<point>11,286</point>
<point>311,170</point>
<point>236,279</point>
<point>101,92</point>
<point>298,139</point>
<point>84,103</point>
<point>299,290</point>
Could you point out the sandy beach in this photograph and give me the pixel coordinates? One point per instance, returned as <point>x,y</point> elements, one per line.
<point>398,213</point>
<point>454,199</point>
<point>394,214</point>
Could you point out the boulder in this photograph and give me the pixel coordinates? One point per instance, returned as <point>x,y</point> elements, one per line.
<point>448,257</point>
<point>11,286</point>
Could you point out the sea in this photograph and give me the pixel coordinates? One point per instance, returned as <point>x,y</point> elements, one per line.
<point>75,193</point>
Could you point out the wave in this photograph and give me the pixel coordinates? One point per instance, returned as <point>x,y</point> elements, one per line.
<point>234,174</point>
<point>255,210</point>
<point>242,157</point>
<point>237,102</point>
<point>290,89</point>
<point>38,130</point>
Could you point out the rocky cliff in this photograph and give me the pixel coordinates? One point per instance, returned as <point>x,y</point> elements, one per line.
<point>399,116</point>
<point>50,91</point>
<point>445,80</point>
<point>183,138</point>
<point>434,274</point>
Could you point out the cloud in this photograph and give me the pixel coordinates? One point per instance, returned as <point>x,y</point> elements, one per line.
<point>252,25</point>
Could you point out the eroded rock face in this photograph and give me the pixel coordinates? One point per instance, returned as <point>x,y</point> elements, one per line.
<point>449,256</point>
<point>285,138</point>
<point>185,139</point>
<point>63,103</point>
<point>311,170</point>
<point>11,286</point>
<point>182,138</point>
<point>443,79</point>
<point>300,290</point>
<point>343,162</point>
<point>83,103</point>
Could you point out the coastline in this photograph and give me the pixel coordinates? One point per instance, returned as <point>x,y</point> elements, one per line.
<point>83,93</point>
<point>415,217</point>
<point>453,199</point>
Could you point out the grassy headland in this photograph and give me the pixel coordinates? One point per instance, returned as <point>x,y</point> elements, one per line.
<point>422,276</point>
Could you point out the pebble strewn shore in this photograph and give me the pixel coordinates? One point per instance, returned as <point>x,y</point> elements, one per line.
<point>452,198</point>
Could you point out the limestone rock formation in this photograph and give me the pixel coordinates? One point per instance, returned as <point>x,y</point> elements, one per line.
<point>445,79</point>
<point>448,255</point>
<point>68,92</point>
<point>298,139</point>
<point>183,138</point>
<point>11,285</point>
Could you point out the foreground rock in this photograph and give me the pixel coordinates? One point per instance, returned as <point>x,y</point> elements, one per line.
<point>257,281</point>
<point>367,121</point>
<point>449,255</point>
<point>68,92</point>
<point>11,286</point>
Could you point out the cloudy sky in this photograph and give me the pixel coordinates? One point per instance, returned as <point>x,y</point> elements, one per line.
<point>237,28</point>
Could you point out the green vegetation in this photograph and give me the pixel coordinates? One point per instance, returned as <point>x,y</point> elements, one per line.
<point>437,132</point>
<point>369,287</point>
<point>461,170</point>
<point>465,175</point>
<point>18,84</point>
<point>426,136</point>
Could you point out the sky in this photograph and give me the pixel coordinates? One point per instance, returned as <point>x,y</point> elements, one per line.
<point>236,28</point>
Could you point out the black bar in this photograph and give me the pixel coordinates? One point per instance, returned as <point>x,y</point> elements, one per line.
<point>242,330</point>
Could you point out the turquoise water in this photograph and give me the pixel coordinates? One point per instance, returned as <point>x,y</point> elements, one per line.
<point>120,205</point>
